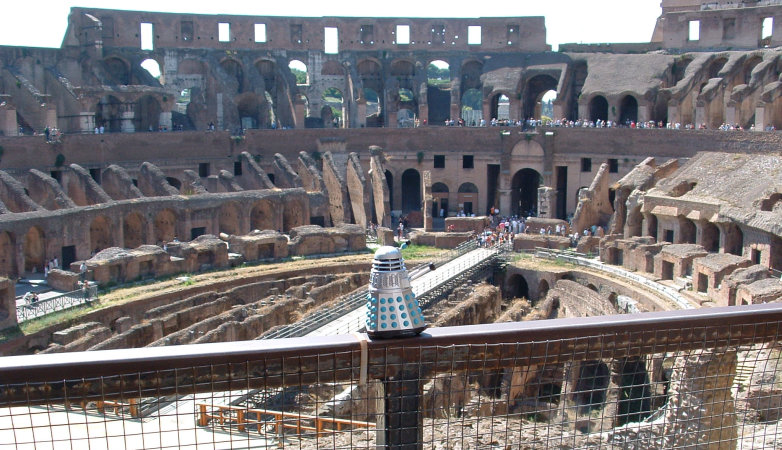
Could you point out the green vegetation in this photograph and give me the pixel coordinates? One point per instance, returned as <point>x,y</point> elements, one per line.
<point>301,76</point>
<point>406,95</point>
<point>437,76</point>
<point>472,99</point>
<point>332,95</point>
<point>70,316</point>
<point>421,252</point>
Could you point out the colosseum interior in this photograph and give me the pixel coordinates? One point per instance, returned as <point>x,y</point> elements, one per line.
<point>259,143</point>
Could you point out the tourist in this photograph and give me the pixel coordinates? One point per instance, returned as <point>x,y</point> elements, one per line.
<point>83,271</point>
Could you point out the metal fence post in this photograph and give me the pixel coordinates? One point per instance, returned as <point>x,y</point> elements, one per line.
<point>400,426</point>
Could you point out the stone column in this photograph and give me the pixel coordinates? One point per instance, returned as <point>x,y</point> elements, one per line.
<point>761,121</point>
<point>165,120</point>
<point>127,116</point>
<point>299,114</point>
<point>730,112</point>
<point>8,124</point>
<point>87,122</point>
<point>50,117</point>
<point>427,197</point>
<point>700,115</point>
<point>673,113</point>
<point>361,107</point>
<point>547,202</point>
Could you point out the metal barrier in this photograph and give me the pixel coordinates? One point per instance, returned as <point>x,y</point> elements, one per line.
<point>651,380</point>
<point>61,302</point>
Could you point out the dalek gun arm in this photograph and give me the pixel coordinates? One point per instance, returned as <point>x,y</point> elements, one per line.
<point>422,270</point>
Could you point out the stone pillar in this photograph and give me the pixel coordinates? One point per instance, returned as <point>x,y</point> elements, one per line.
<point>643,112</point>
<point>583,111</point>
<point>361,107</point>
<point>50,117</point>
<point>761,121</point>
<point>673,113</point>
<point>127,116</point>
<point>547,202</point>
<point>504,195</point>
<point>427,196</point>
<point>8,124</point>
<point>700,116</point>
<point>730,112</point>
<point>559,110</point>
<point>391,120</point>
<point>701,409</point>
<point>7,304</point>
<point>165,120</point>
<point>87,122</point>
<point>299,114</point>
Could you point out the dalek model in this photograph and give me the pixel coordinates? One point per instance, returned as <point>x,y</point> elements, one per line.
<point>392,309</point>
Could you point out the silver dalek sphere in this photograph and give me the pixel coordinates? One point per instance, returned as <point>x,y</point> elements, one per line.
<point>392,309</point>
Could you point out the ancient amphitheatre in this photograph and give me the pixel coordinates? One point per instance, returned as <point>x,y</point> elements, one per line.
<point>232,161</point>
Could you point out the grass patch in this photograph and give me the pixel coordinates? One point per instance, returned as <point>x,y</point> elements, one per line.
<point>421,252</point>
<point>71,315</point>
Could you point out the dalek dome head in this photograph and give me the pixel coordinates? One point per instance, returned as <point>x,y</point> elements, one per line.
<point>392,308</point>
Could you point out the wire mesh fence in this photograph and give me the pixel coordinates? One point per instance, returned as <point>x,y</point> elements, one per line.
<point>687,379</point>
<point>32,310</point>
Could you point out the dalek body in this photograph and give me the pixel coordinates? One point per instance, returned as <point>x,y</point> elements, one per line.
<point>392,308</point>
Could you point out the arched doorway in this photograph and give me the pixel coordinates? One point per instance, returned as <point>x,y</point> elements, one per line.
<point>517,287</point>
<point>438,92</point>
<point>524,192</point>
<point>147,116</point>
<point>332,112</point>
<point>472,107</point>
<point>440,200</point>
<point>116,71</point>
<point>537,87</point>
<point>411,191</point>
<point>468,198</point>
<point>598,108</point>
<point>373,118</point>
<point>134,230</point>
<point>100,234</point>
<point>299,71</point>
<point>249,109</point>
<point>500,107</point>
<point>628,110</point>
<point>34,249</point>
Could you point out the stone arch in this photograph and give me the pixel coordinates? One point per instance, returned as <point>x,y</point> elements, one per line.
<point>472,106</point>
<point>34,249</point>
<point>524,192</point>
<point>262,216</point>
<point>268,71</point>
<point>543,288</point>
<point>579,71</point>
<point>8,254</point>
<point>734,239</point>
<point>332,68</point>
<point>152,66</point>
<point>404,72</point>
<point>598,108</point>
<point>333,108</point>
<point>411,191</point>
<point>390,184</point>
<point>100,234</point>
<point>229,218</point>
<point>370,72</point>
<point>635,398</point>
<point>249,107</point>
<point>468,198</point>
<point>517,287</point>
<point>173,181</point>
<point>749,66</point>
<point>678,68</point>
<point>471,72</point>
<point>147,116</point>
<point>500,106</point>
<point>710,237</point>
<point>716,66</point>
<point>299,71</point>
<point>293,214</point>
<point>592,385</point>
<point>108,113</point>
<point>536,87</point>
<point>234,70</point>
<point>628,109</point>
<point>373,108</point>
<point>117,70</point>
<point>687,231</point>
<point>134,230</point>
<point>165,226</point>
<point>438,91</point>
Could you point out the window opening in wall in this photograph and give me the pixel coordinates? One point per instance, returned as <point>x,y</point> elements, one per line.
<point>586,164</point>
<point>95,175</point>
<point>474,35</point>
<point>197,231</point>
<point>439,161</point>
<point>237,168</point>
<point>147,38</point>
<point>331,40</point>
<point>766,31</point>
<point>728,28</point>
<point>186,30</point>
<point>223,32</point>
<point>299,70</point>
<point>152,66</point>
<point>260,32</point>
<point>668,235</point>
<point>203,170</point>
<point>694,30</point>
<point>403,34</point>
<point>613,165</point>
<point>755,256</point>
<point>467,162</point>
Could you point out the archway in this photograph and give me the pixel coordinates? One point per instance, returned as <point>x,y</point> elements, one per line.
<point>234,70</point>
<point>524,192</point>
<point>710,237</point>
<point>734,239</point>
<point>153,68</point>
<point>628,110</point>
<point>440,199</point>
<point>108,113</point>
<point>468,198</point>
<point>100,234</point>
<point>299,71</point>
<point>373,118</point>
<point>262,216</point>
<point>634,401</point>
<point>598,108</point>
<point>249,108</point>
<point>117,71</point>
<point>472,107</point>
<point>411,191</point>
<point>543,288</point>
<point>134,228</point>
<point>186,111</point>
<point>228,218</point>
<point>438,92</point>
<point>7,254</point>
<point>34,249</point>
<point>500,107</point>
<point>164,226</point>
<point>147,114</point>
<point>516,287</point>
<point>537,86</point>
<point>590,390</point>
<point>333,108</point>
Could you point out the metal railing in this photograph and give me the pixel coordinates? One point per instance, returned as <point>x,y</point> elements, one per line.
<point>67,300</point>
<point>707,378</point>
